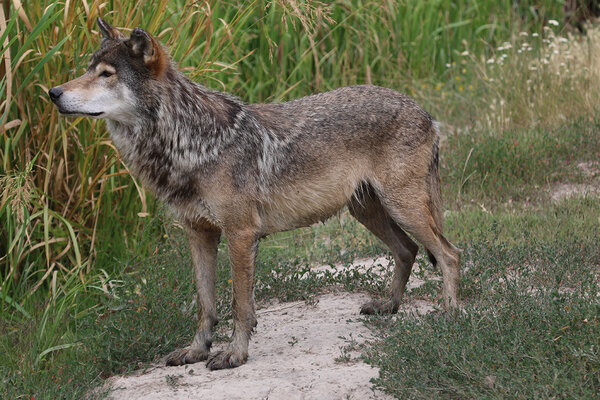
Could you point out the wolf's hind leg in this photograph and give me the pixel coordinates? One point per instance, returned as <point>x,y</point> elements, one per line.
<point>367,209</point>
<point>204,242</point>
<point>418,218</point>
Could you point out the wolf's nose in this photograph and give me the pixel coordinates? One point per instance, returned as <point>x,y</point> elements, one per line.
<point>55,93</point>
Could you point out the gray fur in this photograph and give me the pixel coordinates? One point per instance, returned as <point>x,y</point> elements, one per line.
<point>248,170</point>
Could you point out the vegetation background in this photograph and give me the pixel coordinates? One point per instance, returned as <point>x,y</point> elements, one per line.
<point>83,246</point>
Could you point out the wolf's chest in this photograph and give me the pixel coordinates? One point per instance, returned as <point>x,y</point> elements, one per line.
<point>169,178</point>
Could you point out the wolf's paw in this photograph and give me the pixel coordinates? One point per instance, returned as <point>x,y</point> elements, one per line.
<point>225,359</point>
<point>187,355</point>
<point>379,307</point>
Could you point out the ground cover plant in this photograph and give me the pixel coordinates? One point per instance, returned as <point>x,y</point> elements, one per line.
<point>95,275</point>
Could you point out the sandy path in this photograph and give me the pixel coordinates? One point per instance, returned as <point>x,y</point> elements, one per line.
<point>292,356</point>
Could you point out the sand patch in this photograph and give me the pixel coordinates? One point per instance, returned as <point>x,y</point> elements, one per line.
<point>295,353</point>
<point>567,190</point>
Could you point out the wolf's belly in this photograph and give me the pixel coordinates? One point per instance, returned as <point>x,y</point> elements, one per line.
<point>305,203</point>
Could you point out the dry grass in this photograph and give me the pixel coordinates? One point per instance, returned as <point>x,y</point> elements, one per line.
<point>59,176</point>
<point>553,78</point>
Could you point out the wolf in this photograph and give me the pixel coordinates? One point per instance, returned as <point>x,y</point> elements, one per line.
<point>244,171</point>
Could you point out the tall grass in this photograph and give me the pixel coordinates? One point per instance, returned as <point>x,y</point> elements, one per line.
<point>69,210</point>
<point>302,49</point>
<point>551,75</point>
<point>61,178</point>
<point>67,200</point>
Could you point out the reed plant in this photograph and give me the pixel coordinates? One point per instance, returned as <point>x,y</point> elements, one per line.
<point>67,200</point>
<point>62,180</point>
<point>71,216</point>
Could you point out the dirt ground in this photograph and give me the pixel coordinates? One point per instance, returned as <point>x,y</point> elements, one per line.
<point>590,170</point>
<point>292,356</point>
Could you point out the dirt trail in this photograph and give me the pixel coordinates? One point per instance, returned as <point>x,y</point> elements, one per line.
<point>292,356</point>
<point>591,170</point>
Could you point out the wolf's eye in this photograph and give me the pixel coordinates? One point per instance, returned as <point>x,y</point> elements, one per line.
<point>105,74</point>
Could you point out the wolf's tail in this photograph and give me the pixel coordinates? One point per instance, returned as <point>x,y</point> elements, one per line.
<point>435,191</point>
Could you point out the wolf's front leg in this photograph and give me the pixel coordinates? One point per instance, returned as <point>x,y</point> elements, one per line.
<point>242,253</point>
<point>204,242</point>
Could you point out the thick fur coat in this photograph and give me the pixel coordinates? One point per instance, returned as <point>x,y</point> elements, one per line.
<point>244,171</point>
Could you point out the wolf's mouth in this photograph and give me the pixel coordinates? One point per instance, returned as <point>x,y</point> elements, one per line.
<point>96,114</point>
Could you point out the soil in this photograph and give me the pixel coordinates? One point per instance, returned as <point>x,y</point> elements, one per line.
<point>299,351</point>
<point>566,190</point>
<point>590,170</point>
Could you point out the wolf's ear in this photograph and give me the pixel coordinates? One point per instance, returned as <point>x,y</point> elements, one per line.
<point>108,31</point>
<point>144,45</point>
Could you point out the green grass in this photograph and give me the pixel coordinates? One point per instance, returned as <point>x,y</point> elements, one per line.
<point>145,312</point>
<point>547,257</point>
<point>530,329</point>
<point>90,289</point>
<point>518,295</point>
<point>516,223</point>
<point>65,192</point>
<point>518,164</point>
<point>530,283</point>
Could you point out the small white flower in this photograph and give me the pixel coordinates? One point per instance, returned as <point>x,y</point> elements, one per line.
<point>464,53</point>
<point>535,34</point>
<point>448,65</point>
<point>505,46</point>
<point>490,61</point>
<point>553,22</point>
<point>523,34</point>
<point>563,40</point>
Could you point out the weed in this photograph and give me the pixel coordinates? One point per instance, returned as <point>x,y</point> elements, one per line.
<point>519,164</point>
<point>528,330</point>
<point>173,380</point>
<point>91,286</point>
<point>350,351</point>
<point>262,50</point>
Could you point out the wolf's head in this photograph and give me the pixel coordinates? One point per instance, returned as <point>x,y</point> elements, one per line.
<point>117,75</point>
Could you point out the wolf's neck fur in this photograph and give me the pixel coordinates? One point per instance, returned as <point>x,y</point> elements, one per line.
<point>182,128</point>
